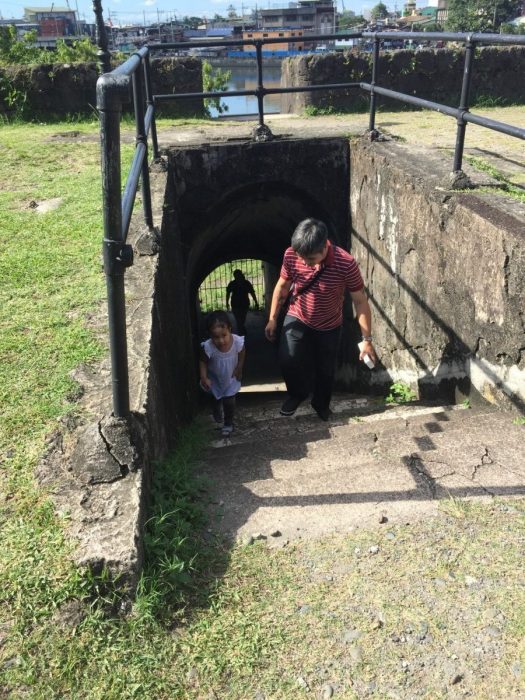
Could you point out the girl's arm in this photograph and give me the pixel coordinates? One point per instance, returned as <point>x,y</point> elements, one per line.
<point>237,372</point>
<point>203,371</point>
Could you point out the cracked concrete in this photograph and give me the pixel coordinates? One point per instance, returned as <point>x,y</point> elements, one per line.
<point>306,478</point>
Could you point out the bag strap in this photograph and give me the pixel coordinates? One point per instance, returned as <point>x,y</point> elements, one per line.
<point>310,282</point>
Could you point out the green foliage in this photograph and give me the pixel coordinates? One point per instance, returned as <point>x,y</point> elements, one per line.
<point>519,420</point>
<point>191,22</point>
<point>503,183</point>
<point>509,28</point>
<point>15,51</point>
<point>379,11</point>
<point>13,97</point>
<point>348,19</point>
<point>80,51</point>
<point>214,80</point>
<point>480,15</point>
<point>400,392</point>
<point>212,291</point>
<point>173,545</point>
<point>313,111</point>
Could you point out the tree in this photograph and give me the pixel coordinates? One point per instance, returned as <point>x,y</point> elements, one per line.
<point>509,28</point>
<point>380,11</point>
<point>480,15</point>
<point>15,51</point>
<point>349,19</point>
<point>215,80</point>
<point>232,12</point>
<point>191,22</point>
<point>80,51</point>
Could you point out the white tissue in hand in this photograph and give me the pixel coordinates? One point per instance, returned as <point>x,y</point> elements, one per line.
<point>366,358</point>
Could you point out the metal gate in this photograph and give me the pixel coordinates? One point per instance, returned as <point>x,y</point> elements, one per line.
<point>212,292</point>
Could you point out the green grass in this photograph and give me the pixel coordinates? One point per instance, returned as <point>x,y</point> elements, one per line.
<point>505,186</point>
<point>209,620</point>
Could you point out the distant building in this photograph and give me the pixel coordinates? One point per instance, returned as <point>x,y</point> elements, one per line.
<point>52,21</point>
<point>20,25</point>
<point>442,11</point>
<point>277,34</point>
<point>315,16</point>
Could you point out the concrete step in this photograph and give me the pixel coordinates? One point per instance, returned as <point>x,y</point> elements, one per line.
<point>261,421</point>
<point>304,477</point>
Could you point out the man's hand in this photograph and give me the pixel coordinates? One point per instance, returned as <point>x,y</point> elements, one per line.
<point>271,331</point>
<point>368,349</point>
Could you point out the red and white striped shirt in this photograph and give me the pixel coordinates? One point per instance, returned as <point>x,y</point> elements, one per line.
<point>321,305</point>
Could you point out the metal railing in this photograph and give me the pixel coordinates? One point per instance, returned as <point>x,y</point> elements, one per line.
<point>131,82</point>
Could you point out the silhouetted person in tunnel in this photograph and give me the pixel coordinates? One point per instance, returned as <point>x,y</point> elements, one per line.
<point>320,272</point>
<point>240,289</point>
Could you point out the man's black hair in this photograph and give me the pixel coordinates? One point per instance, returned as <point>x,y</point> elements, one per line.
<point>309,237</point>
<point>218,318</point>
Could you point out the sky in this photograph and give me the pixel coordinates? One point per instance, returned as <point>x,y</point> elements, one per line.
<point>136,11</point>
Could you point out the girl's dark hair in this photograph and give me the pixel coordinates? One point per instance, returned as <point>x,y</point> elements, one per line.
<point>218,318</point>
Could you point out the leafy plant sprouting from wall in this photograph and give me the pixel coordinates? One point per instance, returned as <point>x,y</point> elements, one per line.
<point>400,392</point>
<point>214,80</point>
<point>13,97</point>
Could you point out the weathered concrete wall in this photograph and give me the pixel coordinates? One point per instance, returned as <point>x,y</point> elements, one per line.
<point>432,74</point>
<point>445,274</point>
<point>60,89</point>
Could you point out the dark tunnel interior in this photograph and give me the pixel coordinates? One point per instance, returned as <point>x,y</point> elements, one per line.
<point>253,222</point>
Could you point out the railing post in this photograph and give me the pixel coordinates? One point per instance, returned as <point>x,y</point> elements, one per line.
<point>260,86</point>
<point>101,38</point>
<point>150,102</point>
<point>141,137</point>
<point>375,65</point>
<point>464,105</point>
<point>110,95</point>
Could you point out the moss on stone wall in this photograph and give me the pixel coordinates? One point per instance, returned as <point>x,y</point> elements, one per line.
<point>60,90</point>
<point>431,74</point>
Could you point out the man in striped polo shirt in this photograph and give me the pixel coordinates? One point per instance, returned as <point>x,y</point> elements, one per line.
<point>320,272</point>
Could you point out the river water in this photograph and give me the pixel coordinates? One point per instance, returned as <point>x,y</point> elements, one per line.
<point>244,77</point>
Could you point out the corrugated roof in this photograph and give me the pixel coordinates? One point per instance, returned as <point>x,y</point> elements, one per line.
<point>52,8</point>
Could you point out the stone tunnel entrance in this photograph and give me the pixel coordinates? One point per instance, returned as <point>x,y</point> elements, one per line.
<point>243,200</point>
<point>432,308</point>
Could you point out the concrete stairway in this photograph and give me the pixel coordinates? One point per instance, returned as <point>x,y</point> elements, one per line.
<point>369,466</point>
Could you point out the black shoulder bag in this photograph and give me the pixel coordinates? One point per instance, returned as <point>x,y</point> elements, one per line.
<point>292,296</point>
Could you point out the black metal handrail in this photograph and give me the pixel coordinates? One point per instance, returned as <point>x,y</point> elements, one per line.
<point>131,81</point>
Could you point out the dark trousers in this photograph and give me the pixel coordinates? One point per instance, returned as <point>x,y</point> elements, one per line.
<point>307,358</point>
<point>240,314</point>
<point>224,407</point>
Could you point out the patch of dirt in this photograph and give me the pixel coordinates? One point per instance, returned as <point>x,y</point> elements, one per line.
<point>45,205</point>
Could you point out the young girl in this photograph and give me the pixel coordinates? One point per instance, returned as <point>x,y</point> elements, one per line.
<point>220,364</point>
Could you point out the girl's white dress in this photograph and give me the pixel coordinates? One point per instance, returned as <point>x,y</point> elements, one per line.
<point>221,366</point>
